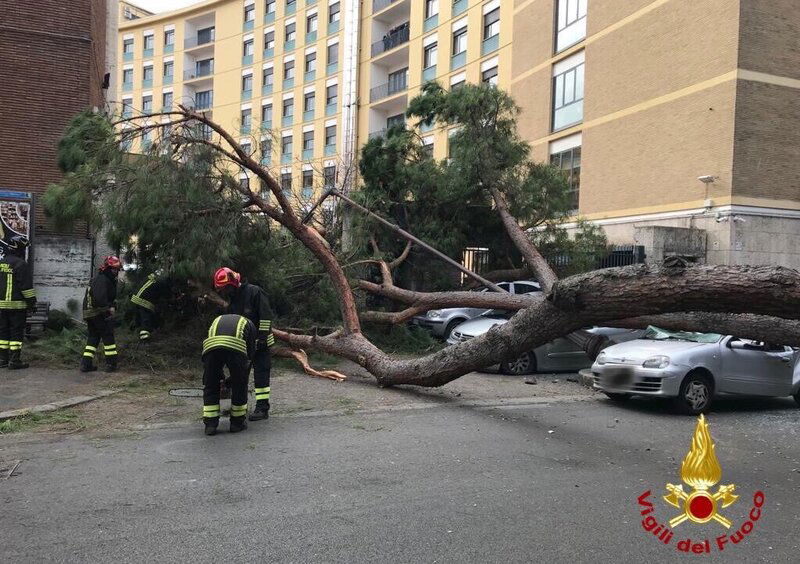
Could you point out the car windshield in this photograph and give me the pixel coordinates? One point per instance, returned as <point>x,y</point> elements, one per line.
<point>498,314</point>
<point>658,334</point>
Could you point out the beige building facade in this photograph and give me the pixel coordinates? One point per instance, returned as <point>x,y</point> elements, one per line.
<point>674,118</point>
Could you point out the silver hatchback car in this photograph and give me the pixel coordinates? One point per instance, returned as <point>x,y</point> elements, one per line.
<point>693,368</point>
<point>441,322</point>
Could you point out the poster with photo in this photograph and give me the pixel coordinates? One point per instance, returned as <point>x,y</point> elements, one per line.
<point>15,217</point>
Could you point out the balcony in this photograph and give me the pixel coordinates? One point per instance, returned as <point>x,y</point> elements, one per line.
<point>333,27</point>
<point>378,5</point>
<point>147,53</point>
<point>291,7</point>
<point>127,113</point>
<point>127,57</point>
<point>266,125</point>
<point>127,86</point>
<point>376,134</point>
<point>330,110</point>
<point>269,17</point>
<point>169,49</point>
<point>309,76</point>
<point>311,37</point>
<point>458,61</point>
<point>247,60</point>
<point>286,158</point>
<point>198,40</point>
<point>248,26</point>
<point>245,129</point>
<point>167,79</point>
<point>490,44</point>
<point>288,83</point>
<point>266,90</point>
<point>390,88</point>
<point>198,73</point>
<point>332,68</point>
<point>247,95</point>
<point>308,154</point>
<point>269,53</point>
<point>289,45</point>
<point>430,23</point>
<point>287,121</point>
<point>330,150</point>
<point>429,73</point>
<point>391,40</point>
<point>459,7</point>
<point>266,160</point>
<point>148,83</point>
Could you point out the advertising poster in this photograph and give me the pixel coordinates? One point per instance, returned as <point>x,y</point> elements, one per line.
<point>15,217</point>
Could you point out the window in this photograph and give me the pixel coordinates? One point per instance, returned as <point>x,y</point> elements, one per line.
<point>569,161</point>
<point>430,55</point>
<point>248,48</point>
<point>291,32</point>
<point>308,183</point>
<point>333,54</point>
<point>146,139</point>
<point>127,107</point>
<point>247,82</point>
<point>290,5</point>
<point>127,76</point>
<point>308,140</point>
<point>270,6</point>
<point>266,148</point>
<point>205,35</point>
<point>459,41</point>
<point>568,92</point>
<point>269,40</point>
<point>489,76</point>
<point>247,119</point>
<point>266,113</point>
<point>331,94</point>
<point>570,23</point>
<point>286,182</point>
<point>169,37</point>
<point>286,145</point>
<point>398,81</point>
<point>311,62</point>
<point>308,102</point>
<point>431,8</point>
<point>426,150</point>
<point>268,76</point>
<point>149,42</point>
<point>330,135</point>
<point>520,288</point>
<point>329,176</point>
<point>147,104</point>
<point>127,46</point>
<point>250,13</point>
<point>169,69</point>
<point>333,13</point>
<point>244,182</point>
<point>311,23</point>
<point>491,24</point>
<point>204,67</point>
<point>166,100</point>
<point>204,99</point>
<point>147,73</point>
<point>458,84</point>
<point>288,70</point>
<point>395,121</point>
<point>288,107</point>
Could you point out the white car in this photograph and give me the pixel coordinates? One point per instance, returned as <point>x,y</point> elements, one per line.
<point>693,368</point>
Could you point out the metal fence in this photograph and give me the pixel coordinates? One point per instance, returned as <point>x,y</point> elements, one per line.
<point>391,40</point>
<point>619,255</point>
<point>396,84</point>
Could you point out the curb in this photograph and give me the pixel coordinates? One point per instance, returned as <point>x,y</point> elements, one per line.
<point>586,379</point>
<point>44,408</point>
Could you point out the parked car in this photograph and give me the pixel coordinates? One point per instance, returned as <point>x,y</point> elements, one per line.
<point>441,322</point>
<point>561,355</point>
<point>693,368</point>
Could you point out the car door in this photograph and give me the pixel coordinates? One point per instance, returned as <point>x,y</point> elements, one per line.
<point>756,368</point>
<point>562,355</point>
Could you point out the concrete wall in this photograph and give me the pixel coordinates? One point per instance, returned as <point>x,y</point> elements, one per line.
<point>62,268</point>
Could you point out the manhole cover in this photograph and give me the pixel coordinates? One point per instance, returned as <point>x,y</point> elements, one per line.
<point>187,392</point>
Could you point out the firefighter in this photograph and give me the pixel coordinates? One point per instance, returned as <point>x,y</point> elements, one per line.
<point>144,303</point>
<point>19,297</point>
<point>231,342</point>
<point>98,312</point>
<point>250,301</point>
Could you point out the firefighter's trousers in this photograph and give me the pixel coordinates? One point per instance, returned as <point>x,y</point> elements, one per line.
<point>12,331</point>
<point>262,364</point>
<point>101,329</point>
<point>214,361</point>
<point>146,320</point>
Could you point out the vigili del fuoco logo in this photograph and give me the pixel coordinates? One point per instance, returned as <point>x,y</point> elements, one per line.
<point>700,504</point>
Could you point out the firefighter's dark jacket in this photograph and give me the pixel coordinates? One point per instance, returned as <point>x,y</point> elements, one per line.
<point>16,285</point>
<point>251,302</point>
<point>231,332</point>
<point>101,295</point>
<point>152,290</point>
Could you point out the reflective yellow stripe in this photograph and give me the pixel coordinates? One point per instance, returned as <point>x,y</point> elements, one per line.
<point>91,348</point>
<point>212,331</point>
<point>143,303</point>
<point>29,293</point>
<point>87,353</point>
<point>15,345</point>
<point>262,393</point>
<point>240,327</point>
<point>265,325</point>
<point>111,353</point>
<point>109,347</point>
<point>210,410</point>
<point>225,342</point>
<point>13,304</point>
<point>9,285</point>
<point>237,410</point>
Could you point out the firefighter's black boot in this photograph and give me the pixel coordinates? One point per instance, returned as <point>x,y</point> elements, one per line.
<point>211,426</point>
<point>111,364</point>
<point>87,365</point>
<point>14,362</point>
<point>261,411</point>
<point>238,424</point>
<point>3,358</point>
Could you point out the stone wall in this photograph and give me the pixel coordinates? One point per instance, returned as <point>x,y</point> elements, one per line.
<point>62,268</point>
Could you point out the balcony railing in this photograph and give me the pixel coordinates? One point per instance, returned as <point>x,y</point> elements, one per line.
<point>378,5</point>
<point>198,40</point>
<point>391,40</point>
<point>390,88</point>
<point>198,73</point>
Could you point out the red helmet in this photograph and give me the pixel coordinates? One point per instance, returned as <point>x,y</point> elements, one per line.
<point>226,277</point>
<point>111,262</point>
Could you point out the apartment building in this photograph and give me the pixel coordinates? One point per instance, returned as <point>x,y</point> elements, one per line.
<point>672,118</point>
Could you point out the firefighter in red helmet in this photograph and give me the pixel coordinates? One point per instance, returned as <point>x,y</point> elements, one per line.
<point>98,312</point>
<point>250,301</point>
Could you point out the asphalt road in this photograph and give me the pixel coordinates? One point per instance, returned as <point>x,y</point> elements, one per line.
<point>545,482</point>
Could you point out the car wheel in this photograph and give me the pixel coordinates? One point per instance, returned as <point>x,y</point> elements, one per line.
<point>617,396</point>
<point>450,326</point>
<point>696,393</point>
<point>797,397</point>
<point>523,364</point>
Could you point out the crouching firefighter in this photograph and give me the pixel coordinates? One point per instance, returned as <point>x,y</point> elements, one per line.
<point>250,301</point>
<point>20,297</point>
<point>144,302</point>
<point>231,342</point>
<point>98,312</point>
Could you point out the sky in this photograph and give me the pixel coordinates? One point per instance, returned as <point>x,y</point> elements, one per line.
<point>163,5</point>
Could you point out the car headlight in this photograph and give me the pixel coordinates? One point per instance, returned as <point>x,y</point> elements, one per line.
<point>656,362</point>
<point>434,314</point>
<point>601,358</point>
